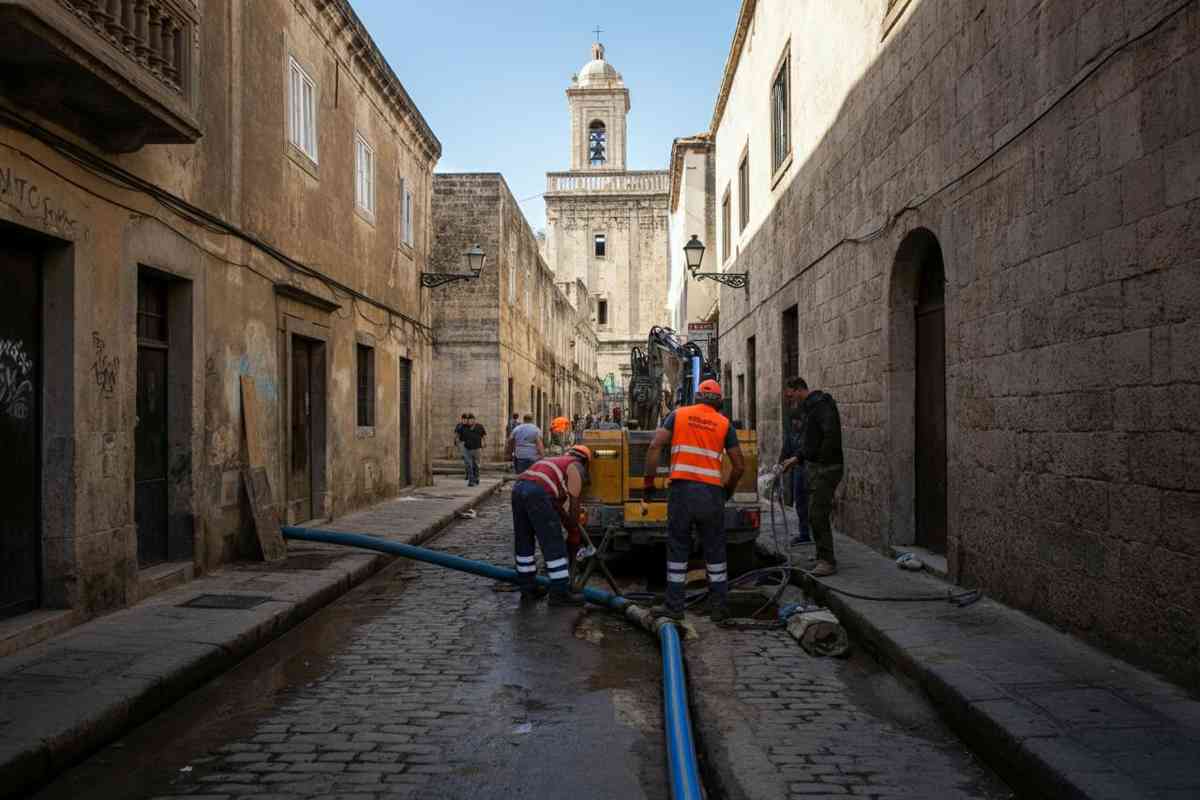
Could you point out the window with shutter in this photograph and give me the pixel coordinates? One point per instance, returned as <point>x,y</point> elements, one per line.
<point>302,111</point>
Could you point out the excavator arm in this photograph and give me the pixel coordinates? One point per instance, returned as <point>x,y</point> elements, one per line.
<point>647,401</point>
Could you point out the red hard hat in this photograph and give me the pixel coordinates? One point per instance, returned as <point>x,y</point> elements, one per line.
<point>709,387</point>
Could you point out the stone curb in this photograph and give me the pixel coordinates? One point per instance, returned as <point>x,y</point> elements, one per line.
<point>1044,767</point>
<point>36,763</point>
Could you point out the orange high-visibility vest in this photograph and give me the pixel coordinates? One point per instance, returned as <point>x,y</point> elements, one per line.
<point>697,443</point>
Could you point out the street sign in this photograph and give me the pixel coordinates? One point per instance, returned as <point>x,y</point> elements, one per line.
<point>702,333</point>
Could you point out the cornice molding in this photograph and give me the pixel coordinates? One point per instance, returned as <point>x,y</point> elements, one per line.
<point>365,54</point>
<point>731,63</point>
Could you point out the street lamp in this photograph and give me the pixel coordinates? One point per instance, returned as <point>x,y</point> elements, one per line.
<point>693,251</point>
<point>473,259</point>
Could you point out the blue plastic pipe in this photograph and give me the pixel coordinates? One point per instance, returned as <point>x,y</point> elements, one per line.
<point>695,377</point>
<point>681,747</point>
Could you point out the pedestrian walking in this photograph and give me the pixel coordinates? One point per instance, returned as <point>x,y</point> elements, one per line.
<point>791,460</point>
<point>525,445</point>
<point>458,442</point>
<point>697,435</point>
<point>820,441</point>
<point>472,435</point>
<point>589,422</point>
<point>545,500</point>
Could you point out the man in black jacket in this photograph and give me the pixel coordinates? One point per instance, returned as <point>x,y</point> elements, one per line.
<point>791,459</point>
<point>820,442</point>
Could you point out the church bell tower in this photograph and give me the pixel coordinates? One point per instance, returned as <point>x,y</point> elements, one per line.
<point>599,103</point>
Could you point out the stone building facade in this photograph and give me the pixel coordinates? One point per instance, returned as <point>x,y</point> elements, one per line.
<point>607,225</point>
<point>512,341</point>
<point>194,195</point>
<point>976,225</point>
<point>693,206</point>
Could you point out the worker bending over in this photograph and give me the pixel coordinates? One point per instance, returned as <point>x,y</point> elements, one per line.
<point>544,496</point>
<point>698,435</point>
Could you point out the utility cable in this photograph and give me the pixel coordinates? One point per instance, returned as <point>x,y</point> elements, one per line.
<point>127,180</point>
<point>915,205</point>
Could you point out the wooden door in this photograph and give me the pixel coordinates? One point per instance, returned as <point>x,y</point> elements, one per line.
<point>930,467</point>
<point>300,476</point>
<point>405,404</point>
<point>150,438</point>
<point>20,430</point>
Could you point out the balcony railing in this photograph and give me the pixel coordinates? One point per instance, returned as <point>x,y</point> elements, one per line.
<point>119,72</point>
<point>150,33</point>
<point>619,183</point>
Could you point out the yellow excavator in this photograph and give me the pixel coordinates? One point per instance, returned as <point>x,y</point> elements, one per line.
<point>613,502</point>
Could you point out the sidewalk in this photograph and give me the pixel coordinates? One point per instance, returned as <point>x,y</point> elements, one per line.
<point>65,697</point>
<point>1055,717</point>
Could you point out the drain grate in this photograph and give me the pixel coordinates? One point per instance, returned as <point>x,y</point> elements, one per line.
<point>228,601</point>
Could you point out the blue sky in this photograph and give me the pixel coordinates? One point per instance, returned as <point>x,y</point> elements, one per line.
<point>490,77</point>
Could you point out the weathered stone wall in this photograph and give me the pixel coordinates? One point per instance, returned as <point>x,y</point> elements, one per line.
<point>226,317</point>
<point>1050,147</point>
<point>632,276</point>
<point>692,193</point>
<point>513,324</point>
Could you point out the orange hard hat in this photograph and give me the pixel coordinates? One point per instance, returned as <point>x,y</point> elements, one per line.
<point>709,387</point>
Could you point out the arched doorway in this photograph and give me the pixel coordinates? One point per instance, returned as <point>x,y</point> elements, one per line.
<point>917,393</point>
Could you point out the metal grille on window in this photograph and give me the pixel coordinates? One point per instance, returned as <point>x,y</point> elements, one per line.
<point>780,116</point>
<point>744,193</point>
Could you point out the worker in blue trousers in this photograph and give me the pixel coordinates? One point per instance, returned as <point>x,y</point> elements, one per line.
<point>545,500</point>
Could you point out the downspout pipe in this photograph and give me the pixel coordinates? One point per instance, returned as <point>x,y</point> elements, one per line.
<point>681,748</point>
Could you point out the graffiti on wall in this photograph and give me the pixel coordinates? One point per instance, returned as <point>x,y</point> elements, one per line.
<point>25,199</point>
<point>104,367</point>
<point>16,382</point>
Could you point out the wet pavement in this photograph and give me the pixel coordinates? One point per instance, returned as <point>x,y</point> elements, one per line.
<point>422,682</point>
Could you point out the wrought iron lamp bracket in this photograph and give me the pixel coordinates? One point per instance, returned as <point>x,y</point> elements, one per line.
<point>734,280</point>
<point>432,279</point>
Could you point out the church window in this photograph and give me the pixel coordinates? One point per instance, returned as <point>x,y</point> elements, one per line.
<point>599,244</point>
<point>597,144</point>
<point>602,312</point>
<point>781,146</point>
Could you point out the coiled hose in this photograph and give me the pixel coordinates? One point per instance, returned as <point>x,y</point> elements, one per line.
<point>681,748</point>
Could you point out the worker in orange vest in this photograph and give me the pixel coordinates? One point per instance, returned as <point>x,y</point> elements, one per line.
<point>698,435</point>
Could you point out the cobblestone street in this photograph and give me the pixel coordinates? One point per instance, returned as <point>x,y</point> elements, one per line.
<point>780,723</point>
<point>421,682</point>
<point>432,683</point>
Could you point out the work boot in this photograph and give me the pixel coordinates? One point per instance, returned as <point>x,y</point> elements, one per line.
<point>564,598</point>
<point>823,569</point>
<point>664,611</point>
<point>533,595</point>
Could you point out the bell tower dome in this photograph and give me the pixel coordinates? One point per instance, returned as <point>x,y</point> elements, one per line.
<point>598,102</point>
